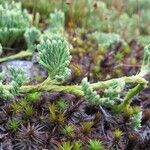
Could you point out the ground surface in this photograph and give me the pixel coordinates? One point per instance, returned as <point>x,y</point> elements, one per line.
<point>37,130</point>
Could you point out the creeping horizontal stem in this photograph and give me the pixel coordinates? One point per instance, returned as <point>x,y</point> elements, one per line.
<point>77,89</point>
<point>48,86</point>
<point>21,54</point>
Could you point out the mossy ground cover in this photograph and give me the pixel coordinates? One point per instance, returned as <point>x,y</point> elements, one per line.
<point>57,121</point>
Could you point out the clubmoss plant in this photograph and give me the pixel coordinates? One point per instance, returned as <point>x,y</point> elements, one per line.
<point>111,94</point>
<point>37,19</point>
<point>145,69</point>
<point>105,40</point>
<point>32,35</point>
<point>13,22</point>
<point>54,56</point>
<point>136,120</point>
<point>21,54</point>
<point>57,22</point>
<point>18,79</point>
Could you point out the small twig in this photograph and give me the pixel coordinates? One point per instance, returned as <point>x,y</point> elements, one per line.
<point>107,116</point>
<point>73,109</point>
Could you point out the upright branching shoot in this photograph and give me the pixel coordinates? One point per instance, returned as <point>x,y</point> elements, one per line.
<point>13,22</point>
<point>18,79</point>
<point>32,35</point>
<point>54,56</point>
<point>57,22</point>
<point>111,94</point>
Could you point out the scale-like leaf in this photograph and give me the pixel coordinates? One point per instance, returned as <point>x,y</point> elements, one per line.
<point>110,96</point>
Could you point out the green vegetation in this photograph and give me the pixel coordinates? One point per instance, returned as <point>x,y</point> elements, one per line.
<point>14,125</point>
<point>13,23</point>
<point>84,82</point>
<point>95,145</point>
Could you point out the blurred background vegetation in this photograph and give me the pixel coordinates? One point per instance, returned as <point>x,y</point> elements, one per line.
<point>128,18</point>
<point>107,39</point>
<point>96,26</point>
